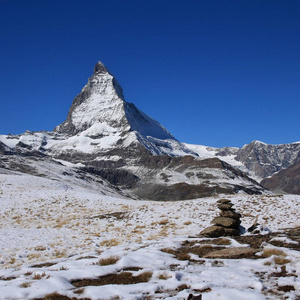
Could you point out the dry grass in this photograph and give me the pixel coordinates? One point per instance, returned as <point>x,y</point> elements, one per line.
<point>145,276</point>
<point>60,254</point>
<point>110,243</point>
<point>270,251</point>
<point>163,222</point>
<point>79,291</point>
<point>187,223</point>
<point>281,260</point>
<point>108,261</point>
<point>12,261</point>
<point>183,256</point>
<point>168,250</point>
<point>164,276</point>
<point>37,276</point>
<point>116,278</point>
<point>26,284</point>
<point>28,273</point>
<point>40,248</point>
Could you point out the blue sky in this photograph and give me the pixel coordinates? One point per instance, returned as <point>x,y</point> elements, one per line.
<point>217,73</point>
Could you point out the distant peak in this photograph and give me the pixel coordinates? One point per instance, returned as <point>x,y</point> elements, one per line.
<point>258,142</point>
<point>100,68</point>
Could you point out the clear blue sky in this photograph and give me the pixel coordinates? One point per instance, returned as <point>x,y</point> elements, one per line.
<point>217,73</point>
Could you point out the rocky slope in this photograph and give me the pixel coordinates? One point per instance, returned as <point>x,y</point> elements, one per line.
<point>285,181</point>
<point>264,160</point>
<point>258,160</point>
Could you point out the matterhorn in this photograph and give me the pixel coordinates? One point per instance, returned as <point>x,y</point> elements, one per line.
<point>109,142</point>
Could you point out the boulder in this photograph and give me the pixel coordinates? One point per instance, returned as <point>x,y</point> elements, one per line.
<point>231,232</point>
<point>233,253</point>
<point>226,222</point>
<point>230,214</point>
<point>226,206</point>
<point>224,201</point>
<point>213,231</point>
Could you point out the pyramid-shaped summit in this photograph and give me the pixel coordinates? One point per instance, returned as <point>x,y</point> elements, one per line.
<point>100,110</point>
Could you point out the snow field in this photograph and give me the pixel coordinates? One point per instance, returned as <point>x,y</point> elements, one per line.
<point>52,234</point>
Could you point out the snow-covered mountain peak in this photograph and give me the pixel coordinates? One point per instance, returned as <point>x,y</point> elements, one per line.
<point>101,104</point>
<point>100,101</point>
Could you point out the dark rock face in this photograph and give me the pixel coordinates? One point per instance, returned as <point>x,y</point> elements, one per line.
<point>100,68</point>
<point>264,160</point>
<point>285,181</point>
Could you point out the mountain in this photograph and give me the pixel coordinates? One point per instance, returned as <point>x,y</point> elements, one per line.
<point>257,159</point>
<point>285,181</point>
<point>264,160</point>
<point>106,137</point>
<point>100,113</point>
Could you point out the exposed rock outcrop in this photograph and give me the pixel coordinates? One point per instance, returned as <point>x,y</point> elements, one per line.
<point>285,181</point>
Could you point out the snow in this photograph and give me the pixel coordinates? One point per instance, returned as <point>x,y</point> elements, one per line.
<point>74,228</point>
<point>10,142</point>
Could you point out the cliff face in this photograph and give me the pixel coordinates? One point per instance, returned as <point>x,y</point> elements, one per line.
<point>285,181</point>
<point>264,160</point>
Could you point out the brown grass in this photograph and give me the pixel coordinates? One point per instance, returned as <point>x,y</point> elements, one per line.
<point>163,222</point>
<point>108,261</point>
<point>37,276</point>
<point>269,252</point>
<point>25,284</point>
<point>79,291</point>
<point>187,223</point>
<point>168,250</point>
<point>110,243</point>
<point>118,278</point>
<point>164,276</point>
<point>183,256</point>
<point>281,260</point>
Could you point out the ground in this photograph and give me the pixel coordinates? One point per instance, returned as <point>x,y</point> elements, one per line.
<point>61,240</point>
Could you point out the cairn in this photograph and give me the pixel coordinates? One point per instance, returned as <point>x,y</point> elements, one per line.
<point>226,224</point>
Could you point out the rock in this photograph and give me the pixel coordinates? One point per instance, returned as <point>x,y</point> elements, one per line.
<point>231,232</point>
<point>224,201</point>
<point>233,253</point>
<point>213,231</point>
<point>230,214</point>
<point>226,206</point>
<point>253,228</point>
<point>192,297</point>
<point>226,222</point>
<point>100,68</point>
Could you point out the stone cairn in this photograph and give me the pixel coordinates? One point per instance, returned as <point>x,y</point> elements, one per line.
<point>226,224</point>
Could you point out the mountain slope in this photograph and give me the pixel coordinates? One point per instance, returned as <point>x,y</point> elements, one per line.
<point>257,159</point>
<point>285,181</point>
